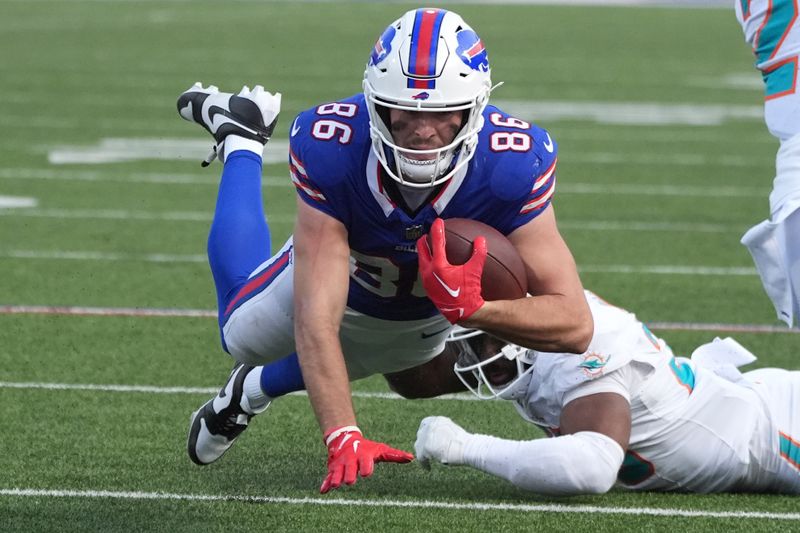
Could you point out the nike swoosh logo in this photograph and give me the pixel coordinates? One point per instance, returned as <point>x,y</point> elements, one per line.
<point>435,333</point>
<point>549,144</point>
<point>452,292</point>
<point>355,446</point>
<point>459,309</point>
<point>216,122</point>
<point>344,441</point>
<point>295,128</point>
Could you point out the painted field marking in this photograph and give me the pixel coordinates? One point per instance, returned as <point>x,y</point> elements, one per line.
<point>207,216</point>
<point>152,389</point>
<point>212,179</point>
<point>102,256</point>
<point>125,150</point>
<point>202,177</point>
<point>405,504</point>
<point>643,189</point>
<point>78,255</point>
<point>635,113</point>
<point>118,150</point>
<point>127,215</point>
<point>209,313</point>
<point>670,270</point>
<point>17,202</point>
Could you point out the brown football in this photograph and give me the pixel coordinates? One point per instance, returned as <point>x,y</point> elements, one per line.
<point>504,275</point>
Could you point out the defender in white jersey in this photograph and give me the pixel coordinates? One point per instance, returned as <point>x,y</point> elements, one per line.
<point>772,28</point>
<point>344,299</point>
<point>627,411</point>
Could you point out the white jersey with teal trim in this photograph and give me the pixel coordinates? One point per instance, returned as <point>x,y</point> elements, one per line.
<point>691,429</point>
<point>772,28</point>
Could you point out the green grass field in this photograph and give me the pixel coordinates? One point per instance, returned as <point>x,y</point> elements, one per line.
<point>95,407</point>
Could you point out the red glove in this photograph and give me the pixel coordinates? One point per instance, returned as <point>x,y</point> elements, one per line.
<point>350,454</point>
<point>454,289</point>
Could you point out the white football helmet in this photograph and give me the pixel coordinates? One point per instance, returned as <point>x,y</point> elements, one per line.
<point>428,60</point>
<point>472,363</point>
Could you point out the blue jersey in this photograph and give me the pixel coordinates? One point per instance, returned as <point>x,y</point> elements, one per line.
<point>508,182</point>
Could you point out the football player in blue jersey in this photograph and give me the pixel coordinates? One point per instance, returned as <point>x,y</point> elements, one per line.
<point>343,298</point>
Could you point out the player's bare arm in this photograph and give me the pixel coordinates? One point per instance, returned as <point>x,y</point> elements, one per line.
<point>557,317</point>
<point>322,265</point>
<point>606,413</point>
<point>594,429</point>
<point>321,255</point>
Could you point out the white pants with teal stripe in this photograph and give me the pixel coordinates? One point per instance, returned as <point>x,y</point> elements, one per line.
<point>781,390</point>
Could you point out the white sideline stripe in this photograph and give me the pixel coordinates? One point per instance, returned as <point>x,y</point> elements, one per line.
<point>208,313</point>
<point>423,504</point>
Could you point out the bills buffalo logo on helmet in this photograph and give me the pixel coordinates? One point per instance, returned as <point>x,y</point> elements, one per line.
<point>383,46</point>
<point>421,96</point>
<point>471,50</point>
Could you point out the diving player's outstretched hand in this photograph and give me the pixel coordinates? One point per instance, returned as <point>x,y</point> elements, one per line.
<point>351,455</point>
<point>454,289</point>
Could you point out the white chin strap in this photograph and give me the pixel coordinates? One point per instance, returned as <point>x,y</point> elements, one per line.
<point>424,171</point>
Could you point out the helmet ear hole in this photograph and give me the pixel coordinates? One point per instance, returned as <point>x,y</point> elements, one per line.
<point>384,114</point>
<point>464,118</point>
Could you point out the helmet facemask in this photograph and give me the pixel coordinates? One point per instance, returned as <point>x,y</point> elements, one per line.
<point>450,74</point>
<point>473,363</point>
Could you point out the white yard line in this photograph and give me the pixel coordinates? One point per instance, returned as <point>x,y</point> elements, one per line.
<point>638,113</point>
<point>127,215</point>
<point>402,504</point>
<point>211,178</point>
<point>669,270</point>
<point>79,255</point>
<point>209,313</point>
<point>645,189</point>
<point>75,255</point>
<point>152,389</point>
<point>201,177</point>
<point>207,216</point>
<point>16,202</point>
<point>104,311</point>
